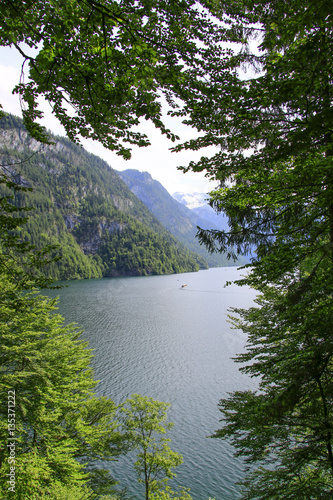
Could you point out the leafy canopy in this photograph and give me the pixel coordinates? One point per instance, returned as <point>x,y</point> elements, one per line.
<point>103,65</point>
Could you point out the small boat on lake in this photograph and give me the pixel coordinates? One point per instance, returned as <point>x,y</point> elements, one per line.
<point>184,286</point>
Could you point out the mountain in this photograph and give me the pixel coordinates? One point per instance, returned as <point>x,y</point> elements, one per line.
<point>181,221</point>
<point>80,204</point>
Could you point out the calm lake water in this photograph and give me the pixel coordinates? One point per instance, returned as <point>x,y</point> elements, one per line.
<point>154,338</point>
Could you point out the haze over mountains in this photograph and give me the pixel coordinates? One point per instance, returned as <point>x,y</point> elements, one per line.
<point>197,203</point>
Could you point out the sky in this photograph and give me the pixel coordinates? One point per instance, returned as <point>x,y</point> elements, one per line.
<point>156,159</point>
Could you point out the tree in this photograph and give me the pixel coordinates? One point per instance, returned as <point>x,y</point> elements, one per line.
<point>273,127</point>
<point>109,60</point>
<point>168,494</point>
<point>286,425</point>
<point>143,423</point>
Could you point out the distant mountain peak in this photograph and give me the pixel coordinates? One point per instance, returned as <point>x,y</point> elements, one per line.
<point>191,200</point>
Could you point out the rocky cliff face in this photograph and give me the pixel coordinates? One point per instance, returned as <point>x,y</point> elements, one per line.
<point>93,232</point>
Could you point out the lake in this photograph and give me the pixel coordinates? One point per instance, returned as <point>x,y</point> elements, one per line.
<point>153,337</point>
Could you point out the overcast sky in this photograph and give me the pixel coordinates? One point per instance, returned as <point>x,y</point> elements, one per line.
<point>156,159</point>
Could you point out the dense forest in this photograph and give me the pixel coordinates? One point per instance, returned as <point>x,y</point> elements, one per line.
<point>83,208</point>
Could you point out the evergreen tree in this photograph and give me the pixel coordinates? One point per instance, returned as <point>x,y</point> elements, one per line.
<point>273,127</point>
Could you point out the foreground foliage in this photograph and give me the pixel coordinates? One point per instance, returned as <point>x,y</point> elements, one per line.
<point>55,427</point>
<point>273,128</point>
<point>110,60</point>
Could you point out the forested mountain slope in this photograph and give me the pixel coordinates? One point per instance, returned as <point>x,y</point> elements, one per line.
<point>81,204</point>
<point>175,216</point>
